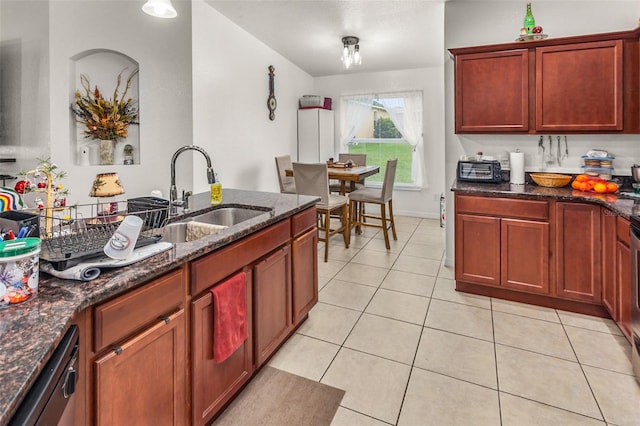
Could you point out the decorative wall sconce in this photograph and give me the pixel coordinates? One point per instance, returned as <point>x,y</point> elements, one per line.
<point>160,9</point>
<point>350,51</point>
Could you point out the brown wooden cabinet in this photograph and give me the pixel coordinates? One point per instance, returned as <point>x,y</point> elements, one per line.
<point>623,276</point>
<point>272,303</point>
<point>135,346</point>
<point>140,365</point>
<point>492,92</point>
<point>525,255</point>
<point>142,381</point>
<point>304,266</point>
<point>610,297</point>
<point>214,384</point>
<point>502,242</point>
<point>578,262</point>
<point>580,84</point>
<point>579,87</point>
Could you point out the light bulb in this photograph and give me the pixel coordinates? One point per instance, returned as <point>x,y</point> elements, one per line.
<point>356,55</point>
<point>160,9</point>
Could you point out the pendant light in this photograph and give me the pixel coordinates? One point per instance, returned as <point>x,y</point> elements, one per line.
<point>160,9</point>
<point>350,51</point>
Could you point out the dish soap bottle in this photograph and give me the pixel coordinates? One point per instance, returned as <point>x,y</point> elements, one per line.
<point>216,192</point>
<point>529,20</point>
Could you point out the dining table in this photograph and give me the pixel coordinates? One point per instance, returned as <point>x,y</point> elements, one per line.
<point>351,175</point>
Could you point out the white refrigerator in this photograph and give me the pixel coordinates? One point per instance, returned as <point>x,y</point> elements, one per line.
<point>315,135</point>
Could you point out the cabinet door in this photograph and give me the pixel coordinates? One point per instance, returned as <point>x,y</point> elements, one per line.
<point>623,278</point>
<point>214,384</point>
<point>272,303</point>
<point>578,252</point>
<point>492,92</point>
<point>142,382</point>
<point>525,255</point>
<point>304,257</point>
<point>477,249</point>
<point>609,273</point>
<point>579,87</point>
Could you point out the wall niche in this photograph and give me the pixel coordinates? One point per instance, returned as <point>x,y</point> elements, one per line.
<point>102,68</point>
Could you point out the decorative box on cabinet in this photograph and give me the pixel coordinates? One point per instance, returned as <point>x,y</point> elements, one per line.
<point>315,135</point>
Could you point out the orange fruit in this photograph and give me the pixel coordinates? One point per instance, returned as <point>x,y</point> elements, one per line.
<point>612,187</point>
<point>600,187</point>
<point>584,187</point>
<point>575,184</point>
<point>582,178</point>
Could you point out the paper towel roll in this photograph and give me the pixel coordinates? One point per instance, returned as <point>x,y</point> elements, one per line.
<point>516,163</point>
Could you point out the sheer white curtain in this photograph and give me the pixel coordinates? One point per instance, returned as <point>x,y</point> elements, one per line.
<point>408,121</point>
<point>356,109</point>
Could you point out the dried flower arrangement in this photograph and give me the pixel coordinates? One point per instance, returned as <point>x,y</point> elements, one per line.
<point>105,119</point>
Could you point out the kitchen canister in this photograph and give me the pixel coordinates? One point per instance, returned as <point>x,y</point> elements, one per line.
<point>20,262</point>
<point>516,163</point>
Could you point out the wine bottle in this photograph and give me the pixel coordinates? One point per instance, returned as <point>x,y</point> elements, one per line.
<point>529,20</point>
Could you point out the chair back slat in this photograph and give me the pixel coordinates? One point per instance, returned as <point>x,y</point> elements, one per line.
<point>312,179</point>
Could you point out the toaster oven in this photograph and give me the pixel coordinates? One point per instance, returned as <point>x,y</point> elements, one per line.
<point>479,171</point>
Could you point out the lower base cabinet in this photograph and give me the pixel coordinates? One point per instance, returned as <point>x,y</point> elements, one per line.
<point>142,381</point>
<point>214,384</point>
<point>272,307</point>
<point>148,353</point>
<point>304,265</point>
<point>578,244</point>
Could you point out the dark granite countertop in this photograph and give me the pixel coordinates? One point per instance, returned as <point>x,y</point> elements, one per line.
<point>31,330</point>
<point>623,203</point>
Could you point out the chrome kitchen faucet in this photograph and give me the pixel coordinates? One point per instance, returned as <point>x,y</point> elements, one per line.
<point>173,192</point>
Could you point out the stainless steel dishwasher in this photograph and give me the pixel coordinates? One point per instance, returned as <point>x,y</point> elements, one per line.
<point>51,400</point>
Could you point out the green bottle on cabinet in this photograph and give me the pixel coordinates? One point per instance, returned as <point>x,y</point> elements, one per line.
<point>529,20</point>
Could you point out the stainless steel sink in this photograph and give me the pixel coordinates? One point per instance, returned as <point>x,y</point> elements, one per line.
<point>228,216</point>
<point>211,222</point>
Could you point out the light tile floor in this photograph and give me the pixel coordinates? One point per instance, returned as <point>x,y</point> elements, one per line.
<point>408,349</point>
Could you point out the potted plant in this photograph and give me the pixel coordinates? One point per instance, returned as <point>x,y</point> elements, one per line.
<point>105,120</point>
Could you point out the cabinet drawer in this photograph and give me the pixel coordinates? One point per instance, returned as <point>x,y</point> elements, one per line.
<point>503,207</point>
<point>622,230</point>
<point>303,221</point>
<point>120,317</point>
<point>221,263</point>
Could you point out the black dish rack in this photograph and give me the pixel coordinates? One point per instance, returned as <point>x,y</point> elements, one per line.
<point>75,234</point>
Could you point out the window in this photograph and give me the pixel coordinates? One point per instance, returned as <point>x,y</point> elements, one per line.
<point>386,127</point>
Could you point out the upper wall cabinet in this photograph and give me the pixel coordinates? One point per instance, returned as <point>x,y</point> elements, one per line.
<point>584,84</point>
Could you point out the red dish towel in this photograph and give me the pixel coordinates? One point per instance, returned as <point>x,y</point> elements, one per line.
<point>229,316</point>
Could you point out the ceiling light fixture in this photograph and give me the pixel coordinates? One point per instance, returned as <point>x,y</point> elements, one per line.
<point>350,51</point>
<point>160,9</point>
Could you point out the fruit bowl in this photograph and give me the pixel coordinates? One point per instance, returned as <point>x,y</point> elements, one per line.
<point>551,180</point>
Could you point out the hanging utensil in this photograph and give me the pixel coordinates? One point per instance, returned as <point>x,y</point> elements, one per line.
<point>566,146</point>
<point>550,159</point>
<point>541,152</point>
<point>559,154</point>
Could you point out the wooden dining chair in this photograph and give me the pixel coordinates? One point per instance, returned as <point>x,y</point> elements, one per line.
<point>381,197</point>
<point>287,183</point>
<point>313,179</point>
<point>359,160</point>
